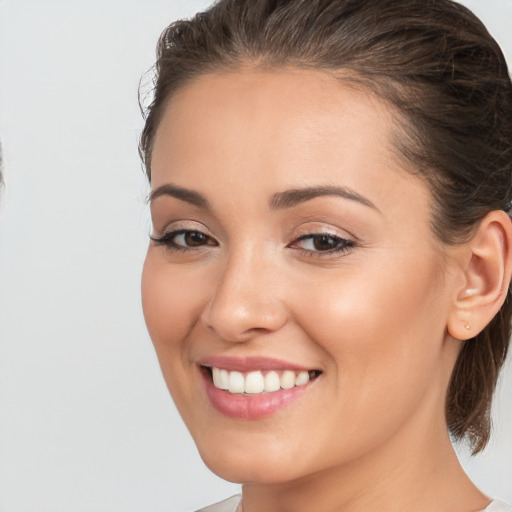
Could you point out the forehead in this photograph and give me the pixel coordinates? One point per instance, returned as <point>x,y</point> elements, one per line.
<point>287,99</point>
<point>278,128</point>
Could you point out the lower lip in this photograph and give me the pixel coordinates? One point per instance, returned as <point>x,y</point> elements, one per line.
<point>251,407</point>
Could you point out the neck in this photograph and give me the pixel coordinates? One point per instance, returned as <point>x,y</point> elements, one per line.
<point>409,473</point>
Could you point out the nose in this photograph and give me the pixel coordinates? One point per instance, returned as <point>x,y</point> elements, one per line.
<point>246,299</point>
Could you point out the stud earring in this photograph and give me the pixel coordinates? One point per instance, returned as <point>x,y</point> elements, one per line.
<point>468,327</point>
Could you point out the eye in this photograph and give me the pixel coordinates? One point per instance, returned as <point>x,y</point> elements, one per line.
<point>184,239</point>
<point>326,243</point>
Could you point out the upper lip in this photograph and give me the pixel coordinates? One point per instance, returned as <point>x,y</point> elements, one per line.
<point>248,364</point>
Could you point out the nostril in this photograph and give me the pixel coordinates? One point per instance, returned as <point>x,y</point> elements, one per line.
<point>239,327</point>
<point>243,307</point>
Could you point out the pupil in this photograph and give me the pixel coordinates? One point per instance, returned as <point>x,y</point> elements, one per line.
<point>194,239</point>
<point>324,243</point>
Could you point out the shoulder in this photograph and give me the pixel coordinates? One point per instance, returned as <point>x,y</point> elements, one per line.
<point>498,506</point>
<point>229,505</point>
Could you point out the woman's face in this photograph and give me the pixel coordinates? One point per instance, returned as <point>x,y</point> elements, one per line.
<point>294,259</point>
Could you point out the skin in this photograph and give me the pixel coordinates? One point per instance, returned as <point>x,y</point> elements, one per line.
<point>369,433</point>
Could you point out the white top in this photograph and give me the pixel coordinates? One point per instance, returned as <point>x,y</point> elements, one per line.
<point>498,506</point>
<point>231,505</point>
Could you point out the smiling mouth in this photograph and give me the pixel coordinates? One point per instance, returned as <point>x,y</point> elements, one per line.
<point>259,381</point>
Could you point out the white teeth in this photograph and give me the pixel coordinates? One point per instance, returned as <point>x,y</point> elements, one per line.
<point>255,382</point>
<point>272,382</point>
<point>302,378</point>
<point>224,379</point>
<point>220,378</point>
<point>236,382</point>
<point>215,376</point>
<point>288,379</point>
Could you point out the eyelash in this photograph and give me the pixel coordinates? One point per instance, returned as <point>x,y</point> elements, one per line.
<point>168,240</point>
<point>343,245</point>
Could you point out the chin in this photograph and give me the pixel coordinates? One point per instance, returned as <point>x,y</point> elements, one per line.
<point>252,462</point>
<point>244,471</point>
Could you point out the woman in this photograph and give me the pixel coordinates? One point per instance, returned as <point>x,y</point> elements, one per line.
<point>327,284</point>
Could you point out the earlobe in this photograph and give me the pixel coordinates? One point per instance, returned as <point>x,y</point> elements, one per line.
<point>486,268</point>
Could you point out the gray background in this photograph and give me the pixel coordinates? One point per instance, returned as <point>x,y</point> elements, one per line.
<point>86,423</point>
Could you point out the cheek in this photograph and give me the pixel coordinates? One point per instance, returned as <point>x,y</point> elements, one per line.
<point>171,300</point>
<point>376,325</point>
<point>382,354</point>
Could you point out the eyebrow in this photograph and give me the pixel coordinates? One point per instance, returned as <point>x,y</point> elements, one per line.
<point>279,201</point>
<point>184,194</point>
<point>290,198</point>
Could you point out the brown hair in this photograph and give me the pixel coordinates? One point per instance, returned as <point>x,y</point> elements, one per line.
<point>447,77</point>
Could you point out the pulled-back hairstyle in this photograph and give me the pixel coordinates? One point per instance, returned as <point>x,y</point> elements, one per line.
<point>447,78</point>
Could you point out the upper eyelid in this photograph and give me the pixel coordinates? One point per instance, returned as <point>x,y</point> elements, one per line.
<point>185,225</point>
<point>344,245</point>
<point>181,231</point>
<point>308,229</point>
<point>329,231</point>
<point>321,233</point>
<point>340,250</point>
<point>176,228</point>
<point>167,239</point>
<point>347,240</point>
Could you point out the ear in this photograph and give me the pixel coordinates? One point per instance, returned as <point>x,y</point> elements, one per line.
<point>486,267</point>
